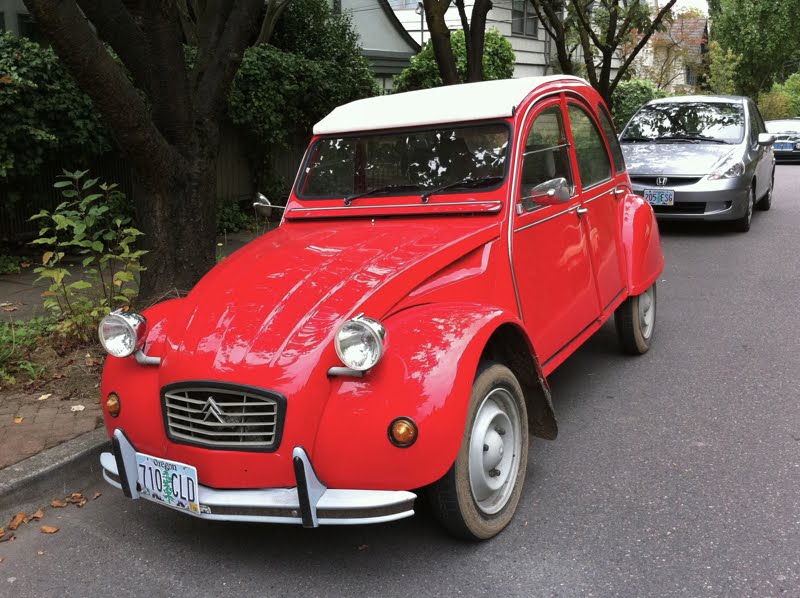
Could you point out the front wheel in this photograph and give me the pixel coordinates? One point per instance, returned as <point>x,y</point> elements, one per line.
<point>635,321</point>
<point>478,496</point>
<point>742,225</point>
<point>765,203</point>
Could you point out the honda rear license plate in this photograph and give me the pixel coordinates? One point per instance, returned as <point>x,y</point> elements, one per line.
<point>168,482</point>
<point>659,197</point>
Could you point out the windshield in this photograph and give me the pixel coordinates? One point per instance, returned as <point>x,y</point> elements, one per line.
<point>689,121</point>
<point>405,162</point>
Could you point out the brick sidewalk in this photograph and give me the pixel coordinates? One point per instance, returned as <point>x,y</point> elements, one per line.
<point>44,424</point>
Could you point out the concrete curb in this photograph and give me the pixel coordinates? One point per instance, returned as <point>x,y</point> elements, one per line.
<point>54,473</point>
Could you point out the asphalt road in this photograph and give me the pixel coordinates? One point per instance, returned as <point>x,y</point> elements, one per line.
<point>675,474</point>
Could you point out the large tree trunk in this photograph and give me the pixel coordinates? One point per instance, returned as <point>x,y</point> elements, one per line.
<point>476,40</point>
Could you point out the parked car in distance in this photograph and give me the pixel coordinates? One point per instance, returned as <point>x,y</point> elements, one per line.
<point>701,158</point>
<point>787,139</point>
<point>441,253</point>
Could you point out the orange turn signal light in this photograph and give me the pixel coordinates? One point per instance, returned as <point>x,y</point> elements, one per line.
<point>403,432</point>
<point>113,405</point>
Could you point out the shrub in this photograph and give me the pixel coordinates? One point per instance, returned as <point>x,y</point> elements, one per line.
<point>93,222</point>
<point>43,112</point>
<point>231,218</point>
<point>775,104</point>
<point>631,95</point>
<point>9,264</point>
<point>423,73</point>
<point>18,340</point>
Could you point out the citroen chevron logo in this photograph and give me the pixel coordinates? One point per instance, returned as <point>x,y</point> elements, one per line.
<point>212,409</point>
<point>661,181</point>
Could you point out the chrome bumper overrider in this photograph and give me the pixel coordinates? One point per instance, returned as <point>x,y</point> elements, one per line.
<point>310,503</point>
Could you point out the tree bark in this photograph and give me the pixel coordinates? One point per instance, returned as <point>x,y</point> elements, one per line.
<point>440,38</point>
<point>476,39</point>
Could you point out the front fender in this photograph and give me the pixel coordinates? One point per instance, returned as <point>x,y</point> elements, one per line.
<point>645,260</point>
<point>427,372</point>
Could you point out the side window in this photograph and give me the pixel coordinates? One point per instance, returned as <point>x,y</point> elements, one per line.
<point>611,136</point>
<point>546,154</point>
<point>593,163</point>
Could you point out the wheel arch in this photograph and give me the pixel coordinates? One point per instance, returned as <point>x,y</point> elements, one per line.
<point>642,244</point>
<point>510,345</point>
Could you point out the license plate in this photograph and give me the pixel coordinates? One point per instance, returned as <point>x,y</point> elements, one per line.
<point>168,482</point>
<point>784,146</point>
<point>659,197</point>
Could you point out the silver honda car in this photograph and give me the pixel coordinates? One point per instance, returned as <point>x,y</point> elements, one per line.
<point>701,158</point>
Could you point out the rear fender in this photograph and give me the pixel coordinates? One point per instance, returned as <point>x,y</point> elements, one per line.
<point>642,243</point>
<point>431,356</point>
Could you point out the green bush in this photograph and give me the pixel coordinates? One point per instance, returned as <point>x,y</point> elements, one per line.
<point>231,218</point>
<point>94,222</point>
<point>775,104</point>
<point>312,64</point>
<point>423,73</point>
<point>631,95</point>
<point>18,340</point>
<point>43,112</point>
<point>9,264</point>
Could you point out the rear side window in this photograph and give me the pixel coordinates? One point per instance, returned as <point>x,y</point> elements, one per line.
<point>546,151</point>
<point>611,136</point>
<point>593,163</point>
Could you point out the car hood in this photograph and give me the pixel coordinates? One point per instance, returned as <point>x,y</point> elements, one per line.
<point>676,159</point>
<point>274,306</point>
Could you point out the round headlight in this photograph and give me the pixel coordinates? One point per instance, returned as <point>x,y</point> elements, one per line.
<point>797,146</point>
<point>359,343</point>
<point>121,333</point>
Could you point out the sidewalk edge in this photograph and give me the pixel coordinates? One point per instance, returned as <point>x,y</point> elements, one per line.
<point>68,467</point>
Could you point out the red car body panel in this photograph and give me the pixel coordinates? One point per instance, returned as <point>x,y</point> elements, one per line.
<point>441,276</point>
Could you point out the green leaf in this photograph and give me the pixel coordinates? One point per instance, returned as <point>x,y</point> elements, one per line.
<point>62,184</point>
<point>97,246</point>
<point>89,183</point>
<point>79,285</point>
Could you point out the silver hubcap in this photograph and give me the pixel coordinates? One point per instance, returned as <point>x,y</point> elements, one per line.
<point>647,313</point>
<point>494,449</point>
<point>750,206</point>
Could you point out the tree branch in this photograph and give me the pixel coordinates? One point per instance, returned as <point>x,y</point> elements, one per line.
<point>273,12</point>
<point>585,25</point>
<point>102,79</point>
<point>118,29</point>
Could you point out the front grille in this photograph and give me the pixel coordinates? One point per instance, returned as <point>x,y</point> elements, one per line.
<point>681,208</point>
<point>223,416</point>
<point>672,181</point>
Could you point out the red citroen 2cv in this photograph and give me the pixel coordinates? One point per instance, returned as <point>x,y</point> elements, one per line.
<point>441,253</point>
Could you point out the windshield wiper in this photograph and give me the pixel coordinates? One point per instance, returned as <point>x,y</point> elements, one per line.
<point>378,191</point>
<point>467,182</point>
<point>635,139</point>
<point>694,138</point>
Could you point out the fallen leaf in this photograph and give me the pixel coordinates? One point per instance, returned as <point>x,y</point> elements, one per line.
<point>77,408</point>
<point>7,538</point>
<point>49,529</point>
<point>97,495</point>
<point>5,304</point>
<point>18,420</point>
<point>45,397</point>
<point>364,547</point>
<point>76,498</point>
<point>16,521</point>
<point>2,532</point>
<point>9,308</point>
<point>58,376</point>
<point>37,516</point>
<point>58,504</point>
<point>24,264</point>
<point>2,558</point>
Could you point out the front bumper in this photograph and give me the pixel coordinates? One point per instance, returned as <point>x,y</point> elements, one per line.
<point>701,200</point>
<point>310,503</point>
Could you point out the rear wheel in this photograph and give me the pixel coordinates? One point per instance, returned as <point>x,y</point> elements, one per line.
<point>742,225</point>
<point>478,496</point>
<point>635,321</point>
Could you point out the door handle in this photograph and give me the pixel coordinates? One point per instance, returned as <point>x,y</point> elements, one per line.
<point>619,191</point>
<point>581,211</point>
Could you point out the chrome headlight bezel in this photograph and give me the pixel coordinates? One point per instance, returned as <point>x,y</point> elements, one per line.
<point>130,325</point>
<point>729,167</point>
<point>370,330</point>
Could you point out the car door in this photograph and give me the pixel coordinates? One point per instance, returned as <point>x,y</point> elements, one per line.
<point>764,153</point>
<point>601,185</point>
<point>550,250</point>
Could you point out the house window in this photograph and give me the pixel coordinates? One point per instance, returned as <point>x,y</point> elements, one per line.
<point>27,27</point>
<point>691,76</point>
<point>399,4</point>
<point>523,19</point>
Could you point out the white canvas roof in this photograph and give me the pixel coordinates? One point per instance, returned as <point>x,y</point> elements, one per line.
<point>446,104</point>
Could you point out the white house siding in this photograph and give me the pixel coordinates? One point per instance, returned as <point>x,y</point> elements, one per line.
<point>531,53</point>
<point>10,13</point>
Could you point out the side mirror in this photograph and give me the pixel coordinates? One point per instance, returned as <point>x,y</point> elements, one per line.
<point>262,206</point>
<point>548,193</point>
<point>766,139</point>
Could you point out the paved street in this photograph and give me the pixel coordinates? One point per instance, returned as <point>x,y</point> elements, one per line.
<point>675,474</point>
